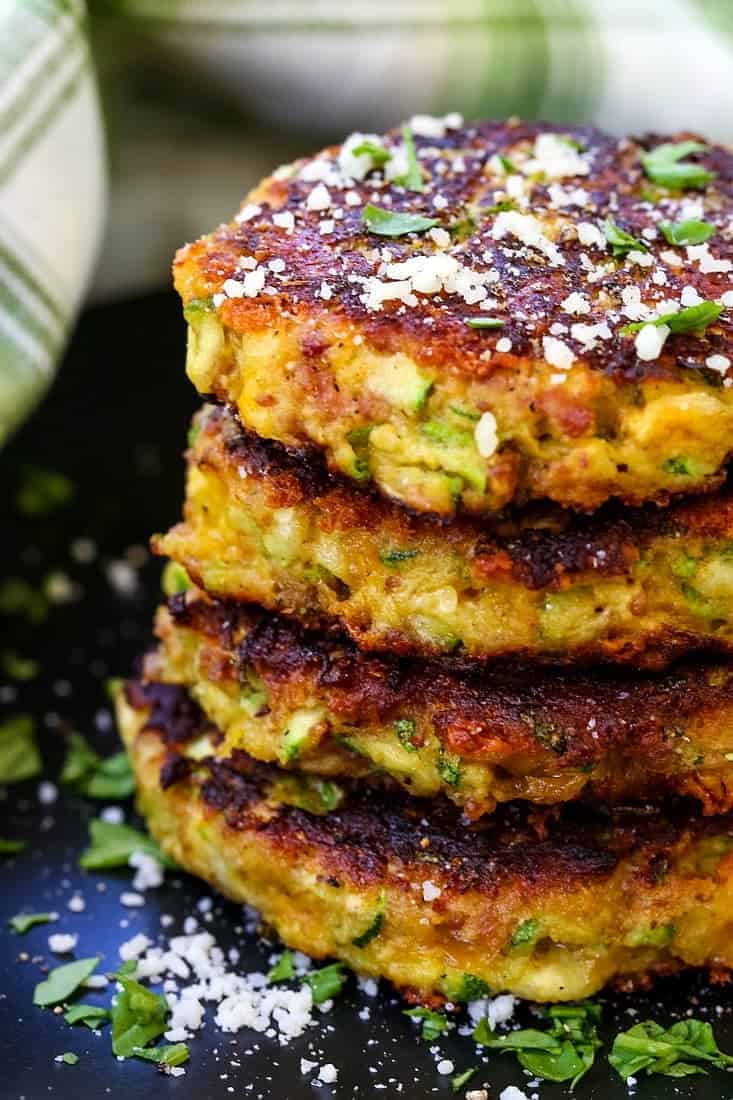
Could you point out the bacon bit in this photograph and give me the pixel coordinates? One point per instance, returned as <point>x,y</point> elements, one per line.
<point>572,417</point>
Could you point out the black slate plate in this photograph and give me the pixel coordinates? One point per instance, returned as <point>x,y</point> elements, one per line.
<point>115,423</point>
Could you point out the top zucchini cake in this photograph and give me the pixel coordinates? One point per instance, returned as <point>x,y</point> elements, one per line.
<point>468,316</point>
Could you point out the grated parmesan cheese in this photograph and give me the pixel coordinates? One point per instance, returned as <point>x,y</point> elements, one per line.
<point>527,229</point>
<point>650,341</point>
<point>555,158</point>
<point>487,440</point>
<point>557,353</point>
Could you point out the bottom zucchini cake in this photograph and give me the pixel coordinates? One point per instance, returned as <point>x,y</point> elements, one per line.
<point>550,905</point>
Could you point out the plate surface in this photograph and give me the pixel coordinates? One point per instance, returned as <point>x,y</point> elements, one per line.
<point>115,423</point>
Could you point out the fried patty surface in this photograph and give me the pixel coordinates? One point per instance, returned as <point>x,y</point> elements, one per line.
<point>544,906</point>
<point>268,526</point>
<point>323,331</point>
<point>317,704</point>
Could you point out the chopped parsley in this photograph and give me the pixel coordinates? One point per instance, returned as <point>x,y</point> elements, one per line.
<point>138,1017</point>
<point>110,778</point>
<point>91,1015</point>
<point>406,728</point>
<point>389,223</point>
<point>565,1052</point>
<point>689,232</point>
<point>25,921</point>
<point>462,1079</point>
<point>484,322</point>
<point>283,970</point>
<point>18,597</point>
<point>376,153</point>
<point>434,1024</point>
<point>10,847</point>
<point>326,982</point>
<point>620,241</point>
<point>687,1047</point>
<point>170,1054</point>
<point>687,320</point>
<point>63,981</point>
<point>508,165</point>
<point>19,755</point>
<point>375,925</point>
<point>112,845</point>
<point>42,492</point>
<point>665,165</point>
<point>68,1058</point>
<point>500,207</point>
<point>20,669</point>
<point>412,179</point>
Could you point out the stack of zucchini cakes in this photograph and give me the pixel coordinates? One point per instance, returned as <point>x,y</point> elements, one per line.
<point>443,685</point>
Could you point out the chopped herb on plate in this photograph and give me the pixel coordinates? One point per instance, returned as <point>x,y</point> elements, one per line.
<point>112,845</point>
<point>283,970</point>
<point>138,1017</point>
<point>462,1079</point>
<point>63,981</point>
<point>172,1054</point>
<point>686,1048</point>
<point>91,1015</point>
<point>10,847</point>
<point>565,1052</point>
<point>19,755</point>
<point>434,1024</point>
<point>24,921</point>
<point>326,982</point>
<point>92,776</point>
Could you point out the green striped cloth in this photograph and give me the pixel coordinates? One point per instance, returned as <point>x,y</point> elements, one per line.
<point>201,97</point>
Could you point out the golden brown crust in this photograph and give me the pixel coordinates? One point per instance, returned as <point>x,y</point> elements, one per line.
<point>509,734</point>
<point>378,822</point>
<point>273,526</point>
<point>436,334</point>
<point>546,547</point>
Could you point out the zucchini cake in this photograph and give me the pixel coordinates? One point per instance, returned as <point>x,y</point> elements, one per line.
<point>269,526</point>
<point>316,703</point>
<point>468,316</point>
<point>546,906</point>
